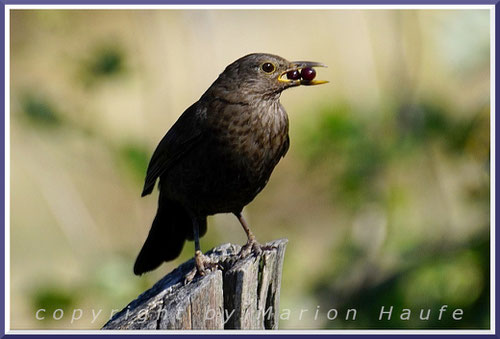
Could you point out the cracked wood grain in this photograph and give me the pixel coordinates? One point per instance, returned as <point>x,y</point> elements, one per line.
<point>240,294</point>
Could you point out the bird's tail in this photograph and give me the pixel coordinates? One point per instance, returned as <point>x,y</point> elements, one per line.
<point>171,227</point>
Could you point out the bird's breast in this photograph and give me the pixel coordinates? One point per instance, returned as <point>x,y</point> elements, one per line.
<point>252,136</point>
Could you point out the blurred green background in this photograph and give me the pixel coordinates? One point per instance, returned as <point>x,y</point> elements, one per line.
<point>384,194</point>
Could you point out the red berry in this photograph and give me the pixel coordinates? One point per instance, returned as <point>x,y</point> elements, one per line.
<point>293,75</point>
<point>308,73</point>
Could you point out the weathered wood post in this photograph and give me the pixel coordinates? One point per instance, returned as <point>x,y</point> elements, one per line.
<point>241,294</point>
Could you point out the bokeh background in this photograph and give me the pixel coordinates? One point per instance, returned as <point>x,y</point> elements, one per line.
<point>384,194</point>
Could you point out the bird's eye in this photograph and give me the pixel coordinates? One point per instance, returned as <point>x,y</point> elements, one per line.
<point>268,67</point>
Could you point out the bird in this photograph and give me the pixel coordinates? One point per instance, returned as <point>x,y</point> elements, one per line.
<point>219,155</point>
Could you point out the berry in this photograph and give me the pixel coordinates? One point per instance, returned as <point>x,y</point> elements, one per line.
<point>308,73</point>
<point>293,75</point>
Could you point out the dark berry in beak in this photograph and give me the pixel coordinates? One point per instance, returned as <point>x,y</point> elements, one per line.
<point>308,73</point>
<point>293,75</point>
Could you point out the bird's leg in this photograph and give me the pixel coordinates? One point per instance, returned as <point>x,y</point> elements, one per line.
<point>201,262</point>
<point>198,256</point>
<point>252,244</point>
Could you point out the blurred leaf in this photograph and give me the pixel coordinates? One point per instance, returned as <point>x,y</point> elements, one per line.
<point>422,121</point>
<point>104,62</point>
<point>136,159</point>
<point>350,148</point>
<point>111,279</point>
<point>40,110</point>
<point>453,282</point>
<point>457,278</point>
<point>53,297</point>
<point>475,137</point>
<point>332,133</point>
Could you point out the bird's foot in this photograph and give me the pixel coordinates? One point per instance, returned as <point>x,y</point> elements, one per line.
<point>253,246</point>
<point>203,266</point>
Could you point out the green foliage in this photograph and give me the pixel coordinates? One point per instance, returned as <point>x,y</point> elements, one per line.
<point>52,297</point>
<point>135,159</point>
<point>428,122</point>
<point>40,110</point>
<point>104,280</point>
<point>458,279</point>
<point>455,281</point>
<point>105,61</point>
<point>356,152</point>
<point>345,145</point>
<point>364,161</point>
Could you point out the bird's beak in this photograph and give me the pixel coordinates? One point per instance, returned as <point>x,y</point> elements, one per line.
<point>298,65</point>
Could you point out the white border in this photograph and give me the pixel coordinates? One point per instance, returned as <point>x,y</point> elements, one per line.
<point>8,8</point>
<point>7,170</point>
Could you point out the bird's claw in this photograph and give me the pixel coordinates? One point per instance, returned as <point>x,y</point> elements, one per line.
<point>252,246</point>
<point>190,276</point>
<point>203,266</point>
<point>268,247</point>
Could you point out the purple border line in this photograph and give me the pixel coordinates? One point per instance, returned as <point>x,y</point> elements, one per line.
<point>219,2</point>
<point>280,335</point>
<point>497,235</point>
<point>251,2</point>
<point>2,171</point>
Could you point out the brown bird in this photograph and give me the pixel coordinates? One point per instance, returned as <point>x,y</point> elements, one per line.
<point>220,154</point>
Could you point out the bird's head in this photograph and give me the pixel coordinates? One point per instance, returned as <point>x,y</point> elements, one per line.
<point>263,75</point>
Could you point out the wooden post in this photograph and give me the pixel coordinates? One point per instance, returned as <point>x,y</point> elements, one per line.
<point>240,294</point>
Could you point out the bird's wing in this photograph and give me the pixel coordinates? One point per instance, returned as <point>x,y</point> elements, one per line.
<point>185,134</point>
